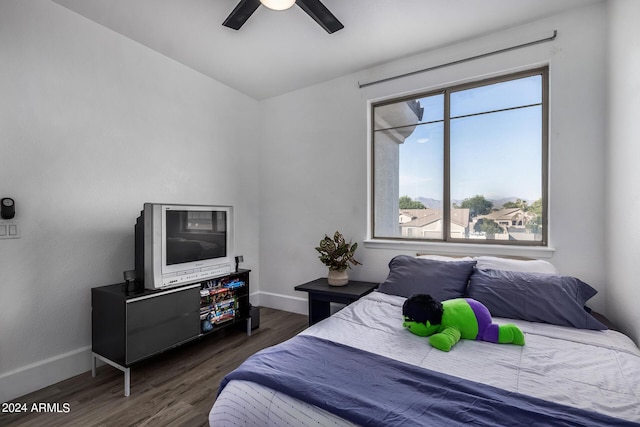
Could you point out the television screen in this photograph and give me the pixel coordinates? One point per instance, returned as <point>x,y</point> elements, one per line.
<point>194,235</point>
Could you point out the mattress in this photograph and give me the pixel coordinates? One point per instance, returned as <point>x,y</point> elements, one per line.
<point>593,370</point>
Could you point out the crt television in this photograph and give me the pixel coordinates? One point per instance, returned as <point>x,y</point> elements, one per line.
<point>181,244</point>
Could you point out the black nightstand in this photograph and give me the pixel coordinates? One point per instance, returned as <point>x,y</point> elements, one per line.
<point>321,295</point>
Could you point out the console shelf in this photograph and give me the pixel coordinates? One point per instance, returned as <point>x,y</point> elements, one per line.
<point>128,327</point>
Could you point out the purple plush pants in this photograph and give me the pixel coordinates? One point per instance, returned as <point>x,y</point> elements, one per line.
<point>487,331</point>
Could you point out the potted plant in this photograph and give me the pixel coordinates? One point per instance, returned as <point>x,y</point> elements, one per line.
<point>337,254</point>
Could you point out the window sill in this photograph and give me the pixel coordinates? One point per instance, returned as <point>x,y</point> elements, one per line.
<point>457,249</point>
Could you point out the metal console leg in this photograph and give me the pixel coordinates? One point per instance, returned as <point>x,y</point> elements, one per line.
<point>127,381</point>
<point>127,371</point>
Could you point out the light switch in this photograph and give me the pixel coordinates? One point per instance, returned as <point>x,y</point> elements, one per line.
<point>9,230</point>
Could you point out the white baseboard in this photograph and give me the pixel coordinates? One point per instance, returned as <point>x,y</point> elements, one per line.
<point>281,302</point>
<point>41,374</point>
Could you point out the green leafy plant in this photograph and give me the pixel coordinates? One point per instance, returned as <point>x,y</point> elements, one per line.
<point>336,253</point>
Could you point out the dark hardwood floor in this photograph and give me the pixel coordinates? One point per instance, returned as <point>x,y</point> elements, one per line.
<point>176,388</point>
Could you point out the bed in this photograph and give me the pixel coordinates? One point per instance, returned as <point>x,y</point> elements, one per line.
<point>361,367</point>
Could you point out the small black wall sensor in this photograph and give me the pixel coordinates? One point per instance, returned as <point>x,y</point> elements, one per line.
<point>7,208</point>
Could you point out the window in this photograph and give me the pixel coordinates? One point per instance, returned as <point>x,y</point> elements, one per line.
<point>463,164</point>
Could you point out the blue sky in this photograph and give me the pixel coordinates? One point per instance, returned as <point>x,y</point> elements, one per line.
<point>496,155</point>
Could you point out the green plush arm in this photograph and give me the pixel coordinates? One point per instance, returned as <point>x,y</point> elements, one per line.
<point>445,339</point>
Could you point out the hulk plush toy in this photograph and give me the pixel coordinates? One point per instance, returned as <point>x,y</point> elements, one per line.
<point>447,322</point>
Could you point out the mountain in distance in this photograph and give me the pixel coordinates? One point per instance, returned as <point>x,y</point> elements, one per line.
<point>497,203</point>
<point>431,203</point>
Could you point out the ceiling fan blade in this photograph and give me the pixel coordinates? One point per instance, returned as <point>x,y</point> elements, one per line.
<point>321,15</point>
<point>241,13</point>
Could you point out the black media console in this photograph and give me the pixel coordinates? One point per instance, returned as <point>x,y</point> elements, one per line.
<point>128,327</point>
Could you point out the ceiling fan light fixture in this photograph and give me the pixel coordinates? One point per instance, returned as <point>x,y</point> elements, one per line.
<point>314,8</point>
<point>278,4</point>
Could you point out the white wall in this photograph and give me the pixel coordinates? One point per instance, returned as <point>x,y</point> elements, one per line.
<point>312,181</point>
<point>92,125</point>
<point>623,186</point>
<point>314,154</point>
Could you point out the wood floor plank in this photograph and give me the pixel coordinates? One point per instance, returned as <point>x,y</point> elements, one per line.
<point>176,388</point>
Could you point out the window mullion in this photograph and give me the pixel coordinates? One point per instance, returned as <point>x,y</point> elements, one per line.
<point>446,199</point>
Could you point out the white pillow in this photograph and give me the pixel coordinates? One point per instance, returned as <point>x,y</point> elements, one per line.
<point>445,258</point>
<point>525,266</point>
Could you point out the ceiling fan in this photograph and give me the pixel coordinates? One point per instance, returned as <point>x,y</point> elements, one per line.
<point>314,8</point>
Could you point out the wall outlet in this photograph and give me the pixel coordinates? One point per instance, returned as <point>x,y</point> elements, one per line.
<point>9,230</point>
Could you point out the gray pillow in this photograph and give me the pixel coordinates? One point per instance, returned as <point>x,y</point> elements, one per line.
<point>441,279</point>
<point>536,297</point>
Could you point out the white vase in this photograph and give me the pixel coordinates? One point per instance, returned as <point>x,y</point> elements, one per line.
<point>338,278</point>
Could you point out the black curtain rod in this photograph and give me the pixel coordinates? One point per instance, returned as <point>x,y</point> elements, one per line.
<point>460,61</point>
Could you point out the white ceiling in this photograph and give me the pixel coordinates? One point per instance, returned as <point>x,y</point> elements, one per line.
<point>277,52</point>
